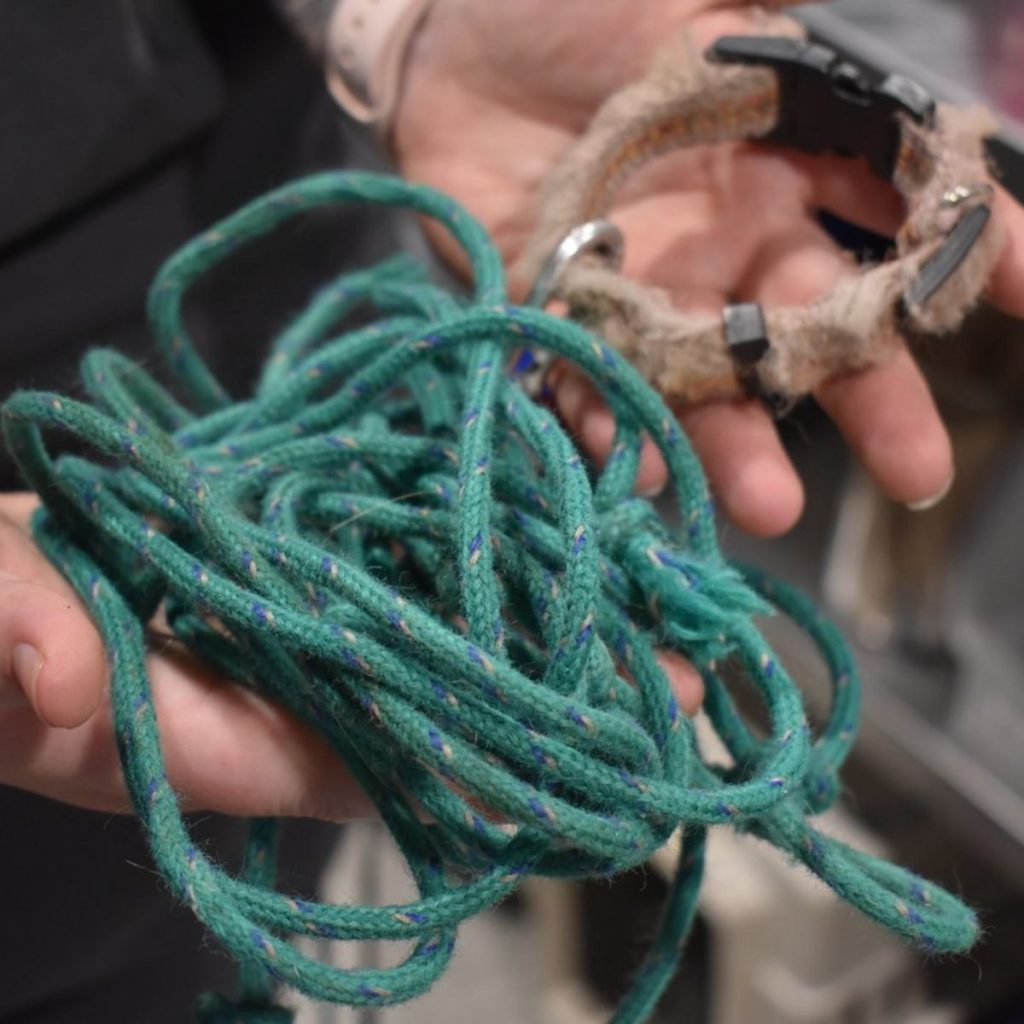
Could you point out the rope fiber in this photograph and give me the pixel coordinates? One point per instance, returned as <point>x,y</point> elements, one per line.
<point>393,542</point>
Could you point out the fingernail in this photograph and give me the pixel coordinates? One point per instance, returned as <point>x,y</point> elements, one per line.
<point>928,503</point>
<point>27,663</point>
<point>654,491</point>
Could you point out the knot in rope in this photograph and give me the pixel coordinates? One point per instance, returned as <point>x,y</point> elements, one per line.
<point>392,541</point>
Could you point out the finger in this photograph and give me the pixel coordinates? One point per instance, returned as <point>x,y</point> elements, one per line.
<point>886,413</point>
<point>747,467</point>
<point>1006,288</point>
<point>17,508</point>
<point>50,653</point>
<point>889,419</point>
<point>686,682</point>
<point>589,419</point>
<point>225,749</point>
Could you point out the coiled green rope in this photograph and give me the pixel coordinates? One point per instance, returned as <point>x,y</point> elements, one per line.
<point>390,539</point>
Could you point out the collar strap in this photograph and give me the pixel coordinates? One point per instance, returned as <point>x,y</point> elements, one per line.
<point>780,89</point>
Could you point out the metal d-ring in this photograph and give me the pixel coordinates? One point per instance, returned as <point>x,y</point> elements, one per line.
<point>599,238</point>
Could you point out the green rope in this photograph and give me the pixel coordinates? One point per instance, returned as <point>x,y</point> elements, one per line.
<point>391,540</point>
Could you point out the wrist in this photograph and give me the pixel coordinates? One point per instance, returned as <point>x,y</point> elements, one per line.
<point>367,45</point>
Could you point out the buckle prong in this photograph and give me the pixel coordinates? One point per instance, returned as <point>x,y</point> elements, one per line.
<point>947,259</point>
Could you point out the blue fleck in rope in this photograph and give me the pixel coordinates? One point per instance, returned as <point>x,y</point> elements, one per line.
<point>392,541</point>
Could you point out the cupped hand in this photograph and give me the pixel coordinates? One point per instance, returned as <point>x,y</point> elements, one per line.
<point>226,748</point>
<point>494,96</point>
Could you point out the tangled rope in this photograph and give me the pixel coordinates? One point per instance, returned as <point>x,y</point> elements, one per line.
<point>392,541</point>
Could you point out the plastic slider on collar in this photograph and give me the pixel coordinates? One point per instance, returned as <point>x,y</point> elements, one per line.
<point>828,104</point>
<point>746,334</point>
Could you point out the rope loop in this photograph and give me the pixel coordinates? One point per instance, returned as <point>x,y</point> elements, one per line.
<point>393,542</point>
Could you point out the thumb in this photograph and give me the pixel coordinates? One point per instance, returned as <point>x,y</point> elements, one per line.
<point>50,653</point>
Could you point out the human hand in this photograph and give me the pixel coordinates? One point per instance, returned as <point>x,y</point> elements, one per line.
<point>226,748</point>
<point>494,96</point>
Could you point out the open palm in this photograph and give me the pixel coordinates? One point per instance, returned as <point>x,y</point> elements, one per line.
<point>495,95</point>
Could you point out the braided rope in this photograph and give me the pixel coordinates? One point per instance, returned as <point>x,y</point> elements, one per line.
<point>393,542</point>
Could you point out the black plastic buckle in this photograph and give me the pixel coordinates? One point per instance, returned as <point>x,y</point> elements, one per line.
<point>829,104</point>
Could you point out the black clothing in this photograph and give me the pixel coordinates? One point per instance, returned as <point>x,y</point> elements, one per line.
<point>127,127</point>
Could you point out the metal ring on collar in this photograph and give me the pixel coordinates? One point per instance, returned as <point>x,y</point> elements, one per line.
<point>600,238</point>
<point>597,239</point>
